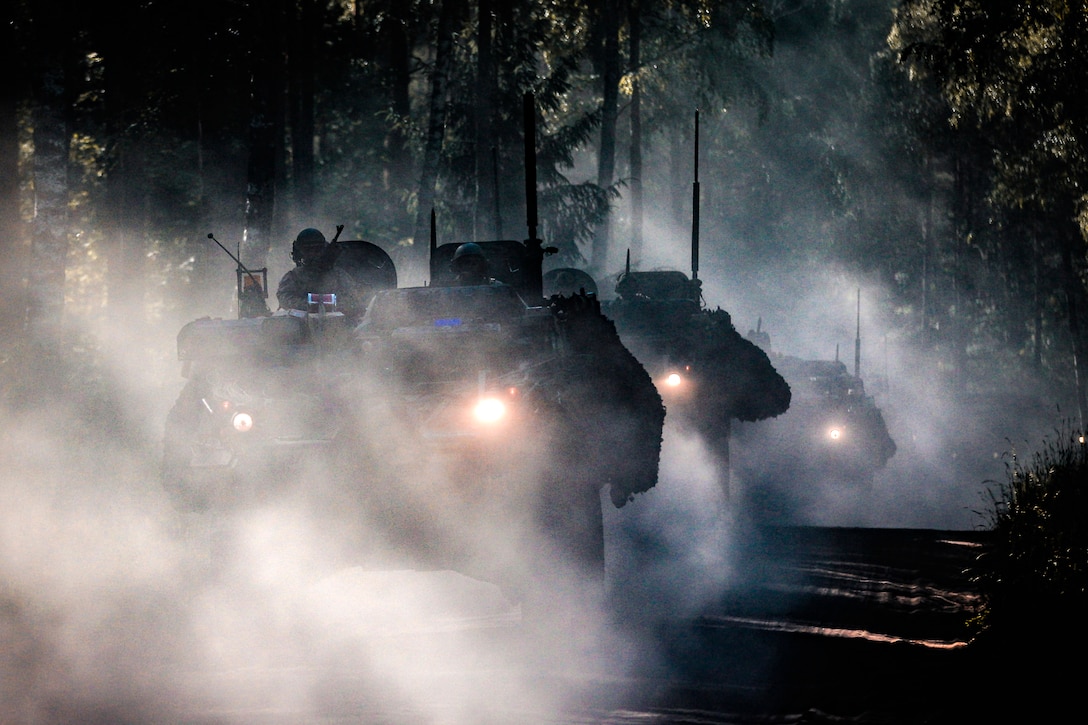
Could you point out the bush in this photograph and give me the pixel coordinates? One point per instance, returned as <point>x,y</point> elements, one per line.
<point>1034,576</point>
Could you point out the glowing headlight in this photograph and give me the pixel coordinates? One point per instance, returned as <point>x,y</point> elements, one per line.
<point>673,380</point>
<point>242,422</point>
<point>489,410</point>
<point>835,433</point>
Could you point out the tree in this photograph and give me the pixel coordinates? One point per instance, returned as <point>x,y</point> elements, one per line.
<point>266,132</point>
<point>606,154</point>
<point>52,70</point>
<point>302,60</point>
<point>634,22</point>
<point>13,91</point>
<point>436,121</point>
<point>122,158</point>
<point>1010,70</point>
<point>488,215</point>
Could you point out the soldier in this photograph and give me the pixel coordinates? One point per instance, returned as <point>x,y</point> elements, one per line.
<point>469,265</point>
<point>316,272</point>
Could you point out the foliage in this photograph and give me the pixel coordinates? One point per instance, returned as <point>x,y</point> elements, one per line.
<point>826,140</point>
<point>1011,69</point>
<point>1034,576</point>
<point>1009,144</point>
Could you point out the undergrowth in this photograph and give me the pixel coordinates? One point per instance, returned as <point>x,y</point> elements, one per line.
<point>1034,576</point>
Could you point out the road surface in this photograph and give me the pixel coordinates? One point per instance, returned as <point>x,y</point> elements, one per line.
<point>816,625</point>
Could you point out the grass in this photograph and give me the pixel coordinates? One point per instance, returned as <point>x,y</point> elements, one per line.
<point>1034,577</point>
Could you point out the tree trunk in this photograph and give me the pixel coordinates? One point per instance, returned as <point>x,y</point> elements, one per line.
<point>302,65</point>
<point>678,180</point>
<point>1036,299</point>
<point>397,176</point>
<point>484,110</point>
<point>1069,236</point>
<point>217,192</point>
<point>49,244</point>
<point>606,163</point>
<point>436,126</point>
<point>266,93</point>
<point>12,232</point>
<point>634,20</point>
<point>122,258</point>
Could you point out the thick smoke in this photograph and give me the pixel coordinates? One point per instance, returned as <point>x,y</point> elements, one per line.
<point>118,608</point>
<point>951,446</point>
<point>669,551</point>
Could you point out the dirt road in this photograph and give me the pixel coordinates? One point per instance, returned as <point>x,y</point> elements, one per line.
<point>868,625</point>
<point>820,625</point>
<point>826,625</point>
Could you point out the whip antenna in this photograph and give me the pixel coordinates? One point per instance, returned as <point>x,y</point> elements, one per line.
<point>695,207</point>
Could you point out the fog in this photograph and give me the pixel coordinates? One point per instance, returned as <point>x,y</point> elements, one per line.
<point>114,612</point>
<point>116,608</point>
<point>952,446</point>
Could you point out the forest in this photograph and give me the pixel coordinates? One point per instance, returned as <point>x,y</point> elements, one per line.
<point>929,153</point>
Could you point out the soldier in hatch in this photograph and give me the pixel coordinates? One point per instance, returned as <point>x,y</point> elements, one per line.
<point>469,265</point>
<point>316,272</point>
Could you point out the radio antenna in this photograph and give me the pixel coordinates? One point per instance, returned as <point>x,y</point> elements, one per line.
<point>695,207</point>
<point>857,341</point>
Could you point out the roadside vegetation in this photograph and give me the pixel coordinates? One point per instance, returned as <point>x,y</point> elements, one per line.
<point>1034,576</point>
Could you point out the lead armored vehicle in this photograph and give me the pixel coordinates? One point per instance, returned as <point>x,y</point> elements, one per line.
<point>261,398</point>
<point>472,427</point>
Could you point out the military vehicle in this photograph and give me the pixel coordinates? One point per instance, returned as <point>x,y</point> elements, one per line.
<point>260,397</point>
<point>825,451</point>
<point>525,407</point>
<point>707,373</point>
<point>464,427</point>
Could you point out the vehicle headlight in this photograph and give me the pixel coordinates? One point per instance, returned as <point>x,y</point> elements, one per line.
<point>675,381</point>
<point>489,410</point>
<point>835,433</point>
<point>242,422</point>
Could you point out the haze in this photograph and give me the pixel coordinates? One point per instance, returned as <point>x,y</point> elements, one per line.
<point>109,611</point>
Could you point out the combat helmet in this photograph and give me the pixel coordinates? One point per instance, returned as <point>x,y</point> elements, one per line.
<point>308,239</point>
<point>469,264</point>
<point>467,249</point>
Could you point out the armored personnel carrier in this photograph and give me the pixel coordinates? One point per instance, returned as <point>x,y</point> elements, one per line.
<point>825,451</point>
<point>473,427</point>
<point>261,393</point>
<point>708,374</point>
<point>525,408</point>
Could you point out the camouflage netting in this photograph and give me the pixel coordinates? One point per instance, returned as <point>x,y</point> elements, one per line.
<point>879,442</point>
<point>743,382</point>
<point>623,414</point>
